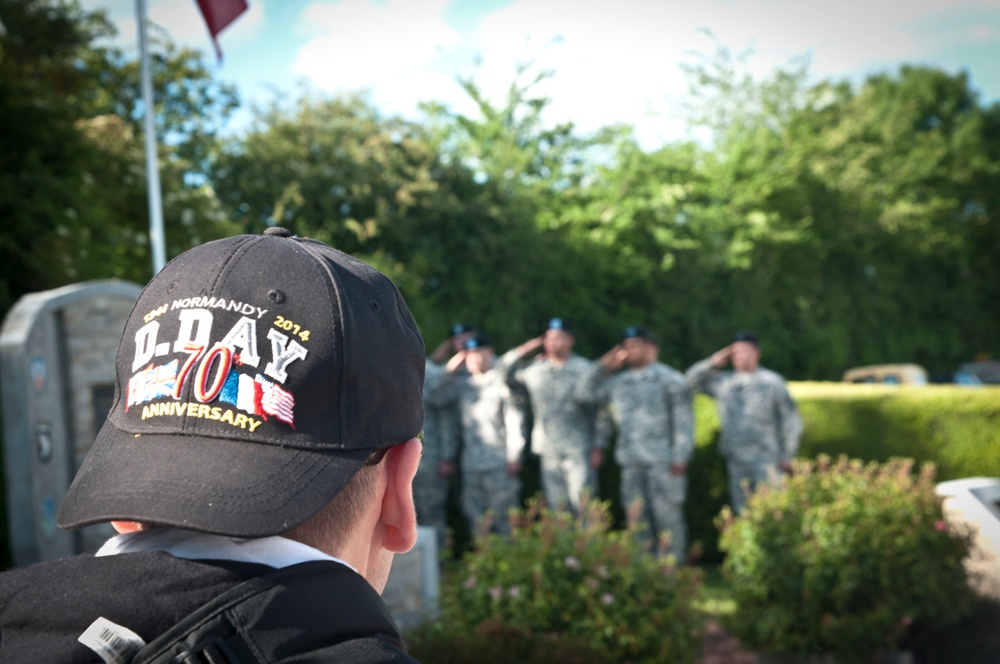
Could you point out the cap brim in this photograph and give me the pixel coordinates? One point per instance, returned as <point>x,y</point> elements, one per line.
<point>228,487</point>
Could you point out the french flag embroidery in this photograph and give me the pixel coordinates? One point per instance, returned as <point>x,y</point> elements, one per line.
<point>259,396</point>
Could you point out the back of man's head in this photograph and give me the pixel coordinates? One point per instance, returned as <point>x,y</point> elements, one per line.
<point>256,376</point>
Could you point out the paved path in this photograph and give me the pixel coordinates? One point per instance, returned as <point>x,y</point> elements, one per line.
<point>718,647</point>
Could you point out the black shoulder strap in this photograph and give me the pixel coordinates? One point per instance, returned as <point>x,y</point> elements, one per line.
<point>216,633</point>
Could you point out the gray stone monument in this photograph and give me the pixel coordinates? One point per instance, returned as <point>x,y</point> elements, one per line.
<point>412,590</point>
<point>974,503</point>
<point>57,377</point>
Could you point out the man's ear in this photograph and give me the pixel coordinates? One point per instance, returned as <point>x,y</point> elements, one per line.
<point>124,527</point>
<point>399,516</point>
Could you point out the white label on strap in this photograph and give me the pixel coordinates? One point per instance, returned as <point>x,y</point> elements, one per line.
<point>113,643</point>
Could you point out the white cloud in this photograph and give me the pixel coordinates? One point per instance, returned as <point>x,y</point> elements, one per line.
<point>391,48</point>
<point>614,61</point>
<point>620,62</point>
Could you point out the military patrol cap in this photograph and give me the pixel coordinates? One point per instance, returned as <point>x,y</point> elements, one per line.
<point>477,341</point>
<point>559,324</point>
<point>638,332</point>
<point>460,328</point>
<point>255,376</point>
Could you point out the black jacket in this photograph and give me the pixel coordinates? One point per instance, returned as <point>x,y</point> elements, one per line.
<point>330,614</point>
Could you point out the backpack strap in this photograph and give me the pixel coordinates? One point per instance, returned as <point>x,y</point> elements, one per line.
<point>219,632</point>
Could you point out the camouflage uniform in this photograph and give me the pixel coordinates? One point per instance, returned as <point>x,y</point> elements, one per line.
<point>440,440</point>
<point>760,424</point>
<point>563,433</point>
<point>491,438</point>
<point>651,407</point>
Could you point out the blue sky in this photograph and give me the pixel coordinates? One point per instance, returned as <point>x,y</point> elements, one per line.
<point>614,60</point>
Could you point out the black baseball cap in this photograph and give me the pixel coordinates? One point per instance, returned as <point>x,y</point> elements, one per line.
<point>744,335</point>
<point>255,376</point>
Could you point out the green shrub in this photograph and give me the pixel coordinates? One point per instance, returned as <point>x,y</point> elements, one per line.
<point>576,578</point>
<point>843,559</point>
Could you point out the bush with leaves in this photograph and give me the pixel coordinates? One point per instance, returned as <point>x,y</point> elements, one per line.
<point>843,559</point>
<point>571,577</point>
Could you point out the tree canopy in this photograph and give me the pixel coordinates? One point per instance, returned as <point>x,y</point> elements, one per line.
<point>845,224</point>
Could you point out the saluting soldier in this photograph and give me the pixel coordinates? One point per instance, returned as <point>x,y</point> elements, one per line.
<point>441,440</point>
<point>491,429</point>
<point>563,430</point>
<point>650,404</point>
<point>760,421</point>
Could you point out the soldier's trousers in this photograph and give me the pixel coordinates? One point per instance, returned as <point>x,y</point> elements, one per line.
<point>662,494</point>
<point>484,490</point>
<point>565,476</point>
<point>745,476</point>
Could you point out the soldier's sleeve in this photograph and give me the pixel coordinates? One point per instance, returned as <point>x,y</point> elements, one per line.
<point>508,366</point>
<point>449,431</point>
<point>701,377</point>
<point>790,422</point>
<point>602,427</point>
<point>592,385</point>
<point>680,404</point>
<point>442,390</point>
<point>513,418</point>
<point>590,392</point>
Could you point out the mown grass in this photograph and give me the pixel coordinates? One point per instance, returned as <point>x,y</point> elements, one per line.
<point>715,599</point>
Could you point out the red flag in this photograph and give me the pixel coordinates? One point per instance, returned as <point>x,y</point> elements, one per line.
<point>218,15</point>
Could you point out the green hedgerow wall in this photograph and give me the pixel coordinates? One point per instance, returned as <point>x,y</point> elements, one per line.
<point>957,428</point>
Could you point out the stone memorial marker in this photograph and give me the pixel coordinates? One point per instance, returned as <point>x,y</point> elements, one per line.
<point>413,588</point>
<point>974,503</point>
<point>57,376</point>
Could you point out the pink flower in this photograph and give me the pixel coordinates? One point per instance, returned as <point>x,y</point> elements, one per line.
<point>905,621</point>
<point>572,563</point>
<point>469,583</point>
<point>607,598</point>
<point>939,526</point>
<point>515,591</point>
<point>496,592</point>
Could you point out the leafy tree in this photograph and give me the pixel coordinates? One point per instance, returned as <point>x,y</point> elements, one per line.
<point>382,188</point>
<point>42,178</point>
<point>534,173</point>
<point>73,187</point>
<point>843,216</point>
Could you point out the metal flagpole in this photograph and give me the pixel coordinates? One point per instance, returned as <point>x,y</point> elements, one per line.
<point>156,238</point>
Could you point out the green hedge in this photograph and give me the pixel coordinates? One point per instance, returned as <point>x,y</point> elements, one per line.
<point>958,428</point>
